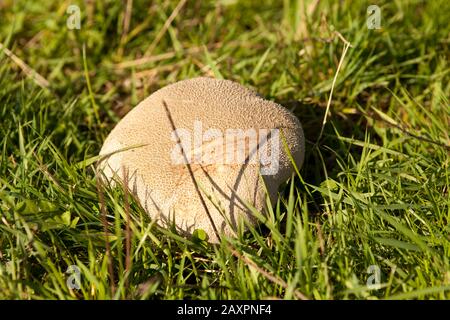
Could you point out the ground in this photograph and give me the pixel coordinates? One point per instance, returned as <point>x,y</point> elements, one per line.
<point>366,217</point>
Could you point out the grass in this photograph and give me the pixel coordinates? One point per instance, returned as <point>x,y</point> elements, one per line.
<point>374,190</point>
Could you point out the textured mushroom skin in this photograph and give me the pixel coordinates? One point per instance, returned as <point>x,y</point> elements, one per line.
<point>166,190</point>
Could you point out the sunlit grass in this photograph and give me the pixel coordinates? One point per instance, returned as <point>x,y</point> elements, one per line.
<point>374,191</point>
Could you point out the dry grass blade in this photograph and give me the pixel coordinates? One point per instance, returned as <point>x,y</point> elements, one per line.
<point>165,28</point>
<point>40,80</point>
<point>312,7</point>
<point>172,54</point>
<point>321,241</point>
<point>126,24</point>
<point>341,61</point>
<point>404,130</point>
<point>127,18</point>
<point>267,274</point>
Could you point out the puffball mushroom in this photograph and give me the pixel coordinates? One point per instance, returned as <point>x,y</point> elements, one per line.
<point>227,154</point>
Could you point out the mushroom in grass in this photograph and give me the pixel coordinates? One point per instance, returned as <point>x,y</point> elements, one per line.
<point>204,154</point>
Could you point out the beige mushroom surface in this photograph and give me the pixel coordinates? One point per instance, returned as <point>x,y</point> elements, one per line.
<point>230,138</point>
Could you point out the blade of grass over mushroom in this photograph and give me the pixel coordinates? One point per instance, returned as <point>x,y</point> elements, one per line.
<point>290,209</point>
<point>214,200</point>
<point>100,158</point>
<point>293,163</point>
<point>191,173</point>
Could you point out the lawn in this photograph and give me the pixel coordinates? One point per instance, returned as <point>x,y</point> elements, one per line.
<point>366,217</point>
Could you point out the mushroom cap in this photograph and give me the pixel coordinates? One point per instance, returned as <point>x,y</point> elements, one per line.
<point>145,145</point>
